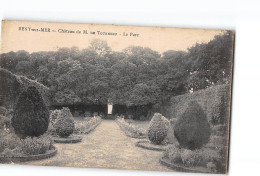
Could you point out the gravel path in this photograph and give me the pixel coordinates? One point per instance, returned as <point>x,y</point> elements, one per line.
<point>105,147</point>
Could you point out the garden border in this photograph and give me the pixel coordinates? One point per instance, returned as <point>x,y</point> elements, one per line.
<point>128,134</point>
<point>178,168</point>
<point>91,129</point>
<point>50,153</point>
<point>142,142</point>
<point>69,140</point>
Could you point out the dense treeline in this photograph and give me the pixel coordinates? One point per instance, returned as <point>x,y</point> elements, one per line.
<point>137,76</point>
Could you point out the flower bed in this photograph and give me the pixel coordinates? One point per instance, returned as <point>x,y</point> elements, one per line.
<point>17,159</point>
<point>200,160</point>
<point>131,130</point>
<point>85,127</point>
<point>14,149</point>
<point>181,168</point>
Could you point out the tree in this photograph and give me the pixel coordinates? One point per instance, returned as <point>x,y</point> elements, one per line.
<point>98,89</point>
<point>97,73</point>
<point>8,61</point>
<point>173,55</point>
<point>143,94</point>
<point>31,116</point>
<point>100,46</point>
<point>123,79</point>
<point>212,61</point>
<point>67,97</point>
<point>192,129</point>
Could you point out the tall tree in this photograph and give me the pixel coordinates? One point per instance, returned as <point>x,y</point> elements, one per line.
<point>100,46</point>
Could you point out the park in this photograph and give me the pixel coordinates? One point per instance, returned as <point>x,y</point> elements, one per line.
<point>136,109</point>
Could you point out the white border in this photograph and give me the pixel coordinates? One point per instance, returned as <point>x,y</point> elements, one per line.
<point>242,16</point>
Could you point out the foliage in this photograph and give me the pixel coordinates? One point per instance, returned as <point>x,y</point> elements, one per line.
<point>217,141</point>
<point>221,117</point>
<point>34,146</point>
<point>5,123</point>
<point>7,140</point>
<point>170,138</point>
<point>212,167</point>
<point>100,46</point>
<point>166,121</point>
<point>86,125</point>
<point>210,100</point>
<point>143,94</point>
<point>204,157</point>
<point>66,96</point>
<point>10,88</point>
<point>87,114</point>
<point>136,76</point>
<point>219,130</point>
<point>157,130</point>
<point>31,116</point>
<point>12,146</point>
<point>64,125</point>
<point>3,110</point>
<point>192,129</point>
<point>13,85</point>
<point>54,115</point>
<point>211,62</point>
<point>173,153</point>
<point>131,129</point>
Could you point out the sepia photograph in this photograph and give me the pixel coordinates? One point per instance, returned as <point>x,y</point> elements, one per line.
<point>115,97</point>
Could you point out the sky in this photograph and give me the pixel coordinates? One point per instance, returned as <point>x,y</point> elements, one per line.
<point>43,36</point>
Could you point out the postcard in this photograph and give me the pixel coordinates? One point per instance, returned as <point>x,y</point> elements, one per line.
<point>115,97</point>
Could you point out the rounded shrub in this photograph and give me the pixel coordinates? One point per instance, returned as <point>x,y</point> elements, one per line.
<point>157,130</point>
<point>64,125</point>
<point>30,116</point>
<point>192,129</point>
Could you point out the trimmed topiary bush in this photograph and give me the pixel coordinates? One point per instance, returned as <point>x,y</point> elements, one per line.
<point>64,125</point>
<point>157,130</point>
<point>192,129</point>
<point>31,116</point>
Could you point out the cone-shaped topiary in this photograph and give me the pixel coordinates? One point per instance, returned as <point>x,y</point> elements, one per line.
<point>31,116</point>
<point>157,130</point>
<point>64,124</point>
<point>192,129</point>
